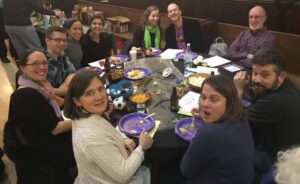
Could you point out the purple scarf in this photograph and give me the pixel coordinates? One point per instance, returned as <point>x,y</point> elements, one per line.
<point>42,87</point>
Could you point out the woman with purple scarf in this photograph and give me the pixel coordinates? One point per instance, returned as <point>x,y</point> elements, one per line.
<point>36,114</point>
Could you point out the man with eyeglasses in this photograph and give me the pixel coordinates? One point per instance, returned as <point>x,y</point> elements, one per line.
<point>60,69</point>
<point>255,39</point>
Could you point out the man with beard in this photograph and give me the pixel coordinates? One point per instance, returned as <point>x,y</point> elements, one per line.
<point>252,40</point>
<point>183,31</point>
<point>275,112</point>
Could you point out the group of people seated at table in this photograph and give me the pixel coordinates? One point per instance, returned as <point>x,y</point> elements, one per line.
<point>232,146</point>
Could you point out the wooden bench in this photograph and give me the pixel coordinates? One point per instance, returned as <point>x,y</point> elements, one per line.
<point>287,44</point>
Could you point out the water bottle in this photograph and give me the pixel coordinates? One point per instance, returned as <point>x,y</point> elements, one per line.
<point>188,57</point>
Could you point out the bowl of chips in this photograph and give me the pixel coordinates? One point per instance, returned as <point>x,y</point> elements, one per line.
<point>139,97</point>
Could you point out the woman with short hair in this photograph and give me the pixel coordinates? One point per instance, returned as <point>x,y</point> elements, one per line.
<point>96,43</point>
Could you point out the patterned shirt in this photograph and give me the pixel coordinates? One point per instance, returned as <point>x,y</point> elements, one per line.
<point>59,69</point>
<point>250,42</point>
<point>180,38</point>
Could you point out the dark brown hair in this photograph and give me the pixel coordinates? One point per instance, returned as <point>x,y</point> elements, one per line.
<point>52,29</point>
<point>24,56</point>
<point>77,86</point>
<point>69,22</point>
<point>270,57</point>
<point>225,86</point>
<point>97,16</point>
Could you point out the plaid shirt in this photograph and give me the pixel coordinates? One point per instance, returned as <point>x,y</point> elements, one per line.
<point>59,69</point>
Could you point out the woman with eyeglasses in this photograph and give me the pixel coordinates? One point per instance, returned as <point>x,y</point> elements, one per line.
<point>47,155</point>
<point>222,151</point>
<point>96,43</point>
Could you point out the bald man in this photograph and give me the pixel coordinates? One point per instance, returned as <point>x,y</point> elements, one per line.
<point>255,39</point>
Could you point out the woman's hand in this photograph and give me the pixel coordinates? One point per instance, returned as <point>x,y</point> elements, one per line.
<point>196,112</point>
<point>145,140</point>
<point>129,145</point>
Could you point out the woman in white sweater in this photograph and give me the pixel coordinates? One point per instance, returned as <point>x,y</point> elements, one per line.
<point>102,154</point>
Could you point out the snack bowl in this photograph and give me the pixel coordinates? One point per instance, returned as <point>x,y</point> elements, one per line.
<point>139,97</point>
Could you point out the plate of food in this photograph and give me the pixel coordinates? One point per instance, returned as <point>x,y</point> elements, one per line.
<point>152,51</point>
<point>135,123</point>
<point>136,73</point>
<point>187,130</point>
<point>119,57</point>
<point>195,80</point>
<point>180,55</point>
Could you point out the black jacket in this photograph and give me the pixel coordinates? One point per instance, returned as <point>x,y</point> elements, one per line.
<point>192,34</point>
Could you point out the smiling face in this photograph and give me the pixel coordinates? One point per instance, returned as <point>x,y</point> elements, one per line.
<point>265,78</point>
<point>56,44</point>
<point>257,18</point>
<point>94,98</point>
<point>212,104</point>
<point>36,66</point>
<point>174,13</point>
<point>153,18</point>
<point>75,30</point>
<point>96,26</point>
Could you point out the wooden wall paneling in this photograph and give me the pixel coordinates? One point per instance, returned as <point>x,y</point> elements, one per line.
<point>282,17</point>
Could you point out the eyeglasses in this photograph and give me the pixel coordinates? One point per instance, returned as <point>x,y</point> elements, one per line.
<point>37,64</point>
<point>59,39</point>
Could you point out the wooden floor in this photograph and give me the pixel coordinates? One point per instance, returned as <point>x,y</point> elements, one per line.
<point>7,78</point>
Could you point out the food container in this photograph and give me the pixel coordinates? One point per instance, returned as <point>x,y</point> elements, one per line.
<point>195,81</point>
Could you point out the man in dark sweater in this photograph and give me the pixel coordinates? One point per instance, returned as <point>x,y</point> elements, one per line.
<point>275,111</point>
<point>183,31</point>
<point>18,25</point>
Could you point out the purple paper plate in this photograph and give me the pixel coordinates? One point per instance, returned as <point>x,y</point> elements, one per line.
<point>90,68</point>
<point>154,53</point>
<point>180,55</point>
<point>185,123</point>
<point>145,72</point>
<point>129,124</point>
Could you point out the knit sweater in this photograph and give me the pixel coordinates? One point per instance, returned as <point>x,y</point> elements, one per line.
<point>100,153</point>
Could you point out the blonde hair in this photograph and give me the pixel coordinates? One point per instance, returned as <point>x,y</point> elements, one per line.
<point>288,167</point>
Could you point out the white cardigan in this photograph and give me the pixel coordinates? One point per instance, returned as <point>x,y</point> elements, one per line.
<point>100,153</point>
